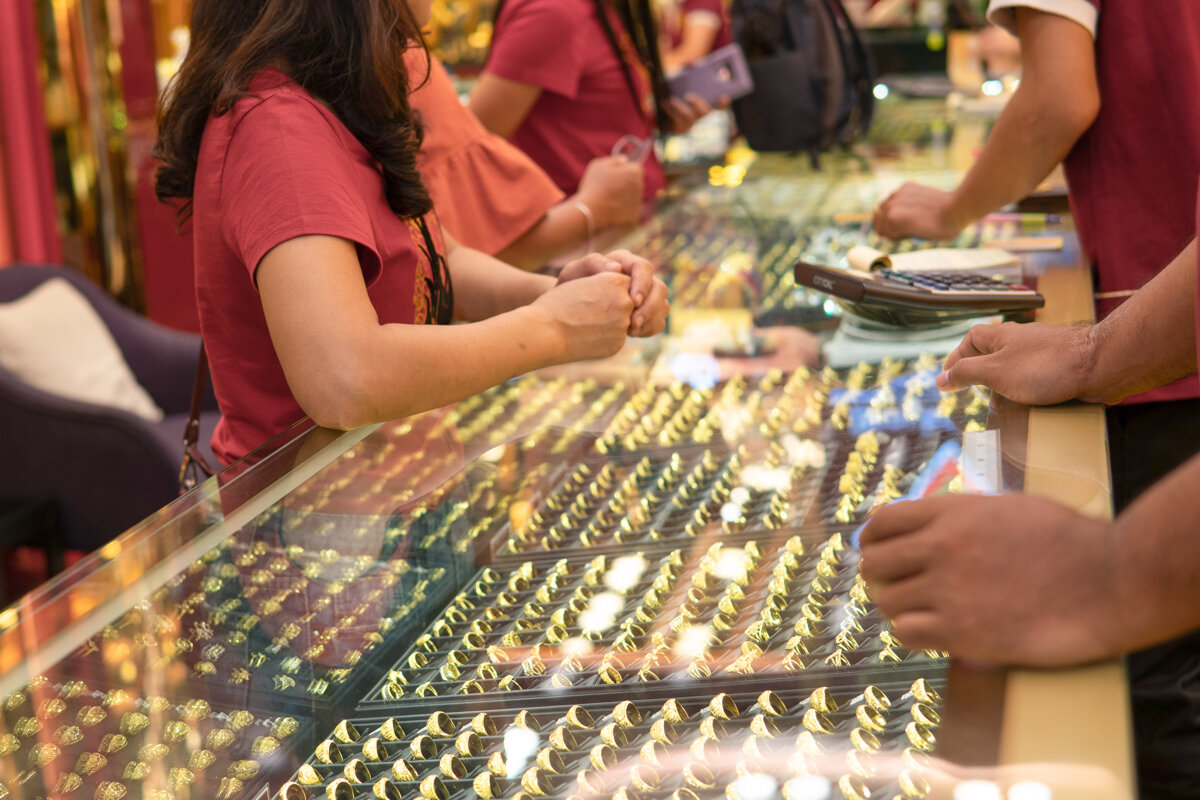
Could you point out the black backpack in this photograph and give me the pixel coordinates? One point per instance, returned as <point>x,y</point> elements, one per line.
<point>813,82</point>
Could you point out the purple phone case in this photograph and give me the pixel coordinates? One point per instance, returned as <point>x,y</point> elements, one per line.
<point>722,73</point>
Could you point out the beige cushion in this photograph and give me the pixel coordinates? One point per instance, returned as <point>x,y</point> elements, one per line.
<point>54,340</point>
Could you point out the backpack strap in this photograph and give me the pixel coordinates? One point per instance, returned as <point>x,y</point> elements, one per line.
<point>862,73</point>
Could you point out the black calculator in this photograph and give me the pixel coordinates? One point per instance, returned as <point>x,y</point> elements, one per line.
<point>920,298</point>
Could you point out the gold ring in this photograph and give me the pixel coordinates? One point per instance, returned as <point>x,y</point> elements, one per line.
<point>486,785</point>
<point>534,782</point>
<point>423,747</point>
<point>432,788</point>
<point>723,707</point>
<point>862,764</point>
<point>356,771</point>
<point>864,741</point>
<point>923,692</point>
<point>472,687</point>
<point>473,641</point>
<point>712,728</point>
<point>920,736</point>
<point>468,744</point>
<point>383,789</point>
<point>822,700</point>
<point>644,778</point>
<point>816,722</point>
<point>339,789</point>
<point>449,673</point>
<point>654,753</point>
<point>926,715</point>
<point>403,771</point>
<point>609,674</point>
<point>509,684</point>
<point>674,712</point>
<point>602,757</point>
<point>876,698</point>
<point>308,776</point>
<point>550,760</point>
<point>913,784</point>
<point>704,749</point>
<point>663,732</point>
<point>497,765</point>
<point>869,718</point>
<point>557,633</point>
<point>698,775</point>
<point>524,719</point>
<point>482,724</point>
<point>562,739</point>
<point>762,725</point>
<point>293,791</point>
<point>391,731</point>
<point>613,735</point>
<point>916,759</point>
<point>772,704</point>
<point>578,717</point>
<point>373,750</point>
<point>533,666</point>
<point>452,767</point>
<point>853,787</point>
<point>626,714</point>
<point>327,752</point>
<point>440,725</point>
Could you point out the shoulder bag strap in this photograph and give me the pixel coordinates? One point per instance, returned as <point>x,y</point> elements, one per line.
<point>194,462</point>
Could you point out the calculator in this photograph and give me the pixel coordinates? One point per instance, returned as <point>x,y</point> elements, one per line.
<point>924,298</point>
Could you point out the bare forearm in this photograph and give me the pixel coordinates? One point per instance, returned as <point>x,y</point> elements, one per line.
<point>564,226</point>
<point>1056,102</point>
<point>407,369</point>
<point>1157,553</point>
<point>1150,339</point>
<point>485,286</point>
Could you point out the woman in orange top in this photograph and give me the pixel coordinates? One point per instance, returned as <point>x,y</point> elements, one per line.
<point>494,198</point>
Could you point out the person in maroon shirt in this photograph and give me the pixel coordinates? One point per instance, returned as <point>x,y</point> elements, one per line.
<point>323,278</point>
<point>567,80</point>
<point>1024,580</point>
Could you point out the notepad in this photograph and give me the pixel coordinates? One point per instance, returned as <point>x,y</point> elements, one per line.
<point>991,260</point>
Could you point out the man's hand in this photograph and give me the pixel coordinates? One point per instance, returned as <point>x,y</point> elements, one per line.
<point>1031,363</point>
<point>648,293</point>
<point>1014,579</point>
<point>921,211</point>
<point>611,187</point>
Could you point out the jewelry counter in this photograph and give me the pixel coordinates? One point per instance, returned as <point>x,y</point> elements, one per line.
<point>612,580</point>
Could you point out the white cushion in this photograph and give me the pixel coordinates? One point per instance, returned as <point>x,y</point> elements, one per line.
<point>53,339</point>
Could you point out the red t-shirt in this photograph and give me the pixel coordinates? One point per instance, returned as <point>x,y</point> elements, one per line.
<point>1130,174</point>
<point>486,191</point>
<point>674,13</point>
<point>277,166</point>
<point>585,106</point>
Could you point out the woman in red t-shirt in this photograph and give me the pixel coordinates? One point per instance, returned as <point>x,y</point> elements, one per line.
<point>567,80</point>
<point>320,268</point>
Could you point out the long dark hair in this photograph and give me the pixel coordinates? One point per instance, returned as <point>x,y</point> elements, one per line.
<point>638,19</point>
<point>349,55</point>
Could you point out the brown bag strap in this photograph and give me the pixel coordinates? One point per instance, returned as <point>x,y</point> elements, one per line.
<point>194,462</point>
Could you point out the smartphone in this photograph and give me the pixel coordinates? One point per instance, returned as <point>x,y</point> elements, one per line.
<point>722,73</point>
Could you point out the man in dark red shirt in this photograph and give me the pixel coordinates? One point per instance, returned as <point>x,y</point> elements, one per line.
<point>1024,580</point>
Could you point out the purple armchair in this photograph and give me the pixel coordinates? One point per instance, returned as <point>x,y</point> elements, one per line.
<point>104,469</point>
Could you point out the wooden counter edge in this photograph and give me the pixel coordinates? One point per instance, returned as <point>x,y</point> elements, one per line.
<point>1079,718</point>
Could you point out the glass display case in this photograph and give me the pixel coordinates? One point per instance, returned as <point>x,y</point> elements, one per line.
<point>632,579</point>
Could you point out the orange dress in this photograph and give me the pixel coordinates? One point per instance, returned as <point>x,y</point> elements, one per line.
<point>485,191</point>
